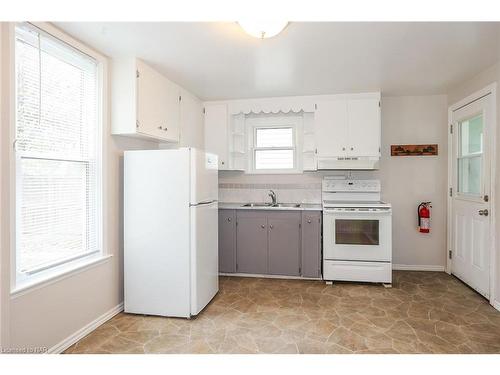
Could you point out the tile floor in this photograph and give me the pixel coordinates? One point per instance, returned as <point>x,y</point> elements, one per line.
<point>424,312</point>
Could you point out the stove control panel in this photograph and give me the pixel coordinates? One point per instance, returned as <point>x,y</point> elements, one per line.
<point>364,186</point>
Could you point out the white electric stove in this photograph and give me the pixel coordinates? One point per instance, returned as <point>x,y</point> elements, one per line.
<point>357,231</point>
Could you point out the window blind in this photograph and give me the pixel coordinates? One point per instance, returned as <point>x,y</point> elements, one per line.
<point>274,148</point>
<point>57,152</point>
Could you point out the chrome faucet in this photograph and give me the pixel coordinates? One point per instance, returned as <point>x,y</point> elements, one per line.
<point>272,194</point>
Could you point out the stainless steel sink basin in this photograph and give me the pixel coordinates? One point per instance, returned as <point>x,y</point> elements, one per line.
<point>257,205</point>
<point>269,205</point>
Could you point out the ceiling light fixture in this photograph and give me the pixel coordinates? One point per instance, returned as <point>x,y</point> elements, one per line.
<point>263,29</point>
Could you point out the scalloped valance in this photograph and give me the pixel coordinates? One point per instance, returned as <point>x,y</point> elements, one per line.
<point>274,105</point>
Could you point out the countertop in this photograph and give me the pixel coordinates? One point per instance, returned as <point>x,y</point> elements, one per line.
<point>239,206</point>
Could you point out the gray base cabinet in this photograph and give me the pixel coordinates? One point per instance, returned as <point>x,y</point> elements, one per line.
<point>286,243</point>
<point>227,241</point>
<point>251,242</point>
<point>311,244</point>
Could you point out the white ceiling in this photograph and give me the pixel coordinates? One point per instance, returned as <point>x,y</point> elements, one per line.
<point>219,61</point>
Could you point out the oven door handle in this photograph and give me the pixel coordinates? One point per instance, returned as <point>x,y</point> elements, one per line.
<point>326,211</point>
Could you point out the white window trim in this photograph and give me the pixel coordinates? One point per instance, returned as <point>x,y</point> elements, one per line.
<point>274,122</point>
<point>67,269</point>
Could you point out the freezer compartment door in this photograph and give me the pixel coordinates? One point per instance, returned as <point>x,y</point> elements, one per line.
<point>204,177</point>
<point>204,255</point>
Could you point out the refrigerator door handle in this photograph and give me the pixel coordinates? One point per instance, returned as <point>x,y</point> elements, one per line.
<point>203,203</point>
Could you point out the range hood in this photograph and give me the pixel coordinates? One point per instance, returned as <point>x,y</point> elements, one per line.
<point>362,162</point>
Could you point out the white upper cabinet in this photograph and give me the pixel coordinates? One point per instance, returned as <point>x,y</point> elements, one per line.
<point>348,132</point>
<point>364,127</point>
<point>216,132</point>
<point>331,129</point>
<point>145,103</point>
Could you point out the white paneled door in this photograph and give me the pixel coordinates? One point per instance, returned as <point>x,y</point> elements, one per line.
<point>471,203</point>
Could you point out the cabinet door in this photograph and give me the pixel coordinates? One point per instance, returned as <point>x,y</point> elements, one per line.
<point>227,241</point>
<point>364,127</point>
<point>251,242</point>
<point>284,243</point>
<point>216,132</point>
<point>331,128</point>
<point>158,107</point>
<point>311,244</point>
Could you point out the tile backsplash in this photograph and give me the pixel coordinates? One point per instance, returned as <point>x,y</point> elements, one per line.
<point>309,192</point>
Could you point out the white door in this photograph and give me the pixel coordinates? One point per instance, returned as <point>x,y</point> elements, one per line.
<point>364,127</point>
<point>471,208</point>
<point>331,128</point>
<point>158,107</point>
<point>216,132</point>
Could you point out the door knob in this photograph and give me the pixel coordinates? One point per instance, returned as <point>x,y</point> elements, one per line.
<point>484,212</point>
<point>262,226</point>
<point>271,226</point>
<point>309,221</point>
<point>228,219</point>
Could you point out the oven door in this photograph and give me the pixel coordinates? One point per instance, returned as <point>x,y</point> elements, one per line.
<point>357,234</point>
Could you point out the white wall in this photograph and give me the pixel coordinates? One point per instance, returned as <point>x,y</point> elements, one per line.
<point>459,92</point>
<point>406,181</point>
<point>409,180</point>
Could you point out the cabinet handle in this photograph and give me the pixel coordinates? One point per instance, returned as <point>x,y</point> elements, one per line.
<point>352,148</point>
<point>343,148</point>
<point>271,226</point>
<point>228,219</point>
<point>222,163</point>
<point>262,226</point>
<point>159,127</point>
<point>309,221</point>
<point>165,129</point>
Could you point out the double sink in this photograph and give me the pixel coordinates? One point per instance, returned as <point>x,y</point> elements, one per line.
<point>271,205</point>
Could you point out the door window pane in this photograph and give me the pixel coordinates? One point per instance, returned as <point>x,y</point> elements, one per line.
<point>356,232</point>
<point>471,136</point>
<point>470,155</point>
<point>469,175</point>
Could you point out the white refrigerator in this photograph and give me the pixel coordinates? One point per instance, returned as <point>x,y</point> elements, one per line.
<point>170,231</point>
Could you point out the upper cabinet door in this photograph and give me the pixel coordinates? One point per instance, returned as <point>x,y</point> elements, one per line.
<point>331,128</point>
<point>158,107</point>
<point>364,127</point>
<point>216,132</point>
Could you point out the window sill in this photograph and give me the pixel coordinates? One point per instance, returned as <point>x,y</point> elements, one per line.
<point>68,272</point>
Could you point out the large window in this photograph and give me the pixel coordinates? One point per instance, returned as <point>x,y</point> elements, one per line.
<point>58,154</point>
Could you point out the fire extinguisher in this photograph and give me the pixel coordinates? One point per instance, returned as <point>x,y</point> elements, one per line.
<point>424,217</point>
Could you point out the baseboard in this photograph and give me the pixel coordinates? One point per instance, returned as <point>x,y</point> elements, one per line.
<point>496,305</point>
<point>81,333</point>
<point>417,267</point>
<point>264,276</point>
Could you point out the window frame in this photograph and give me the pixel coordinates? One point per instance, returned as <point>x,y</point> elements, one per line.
<point>78,263</point>
<point>271,121</point>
